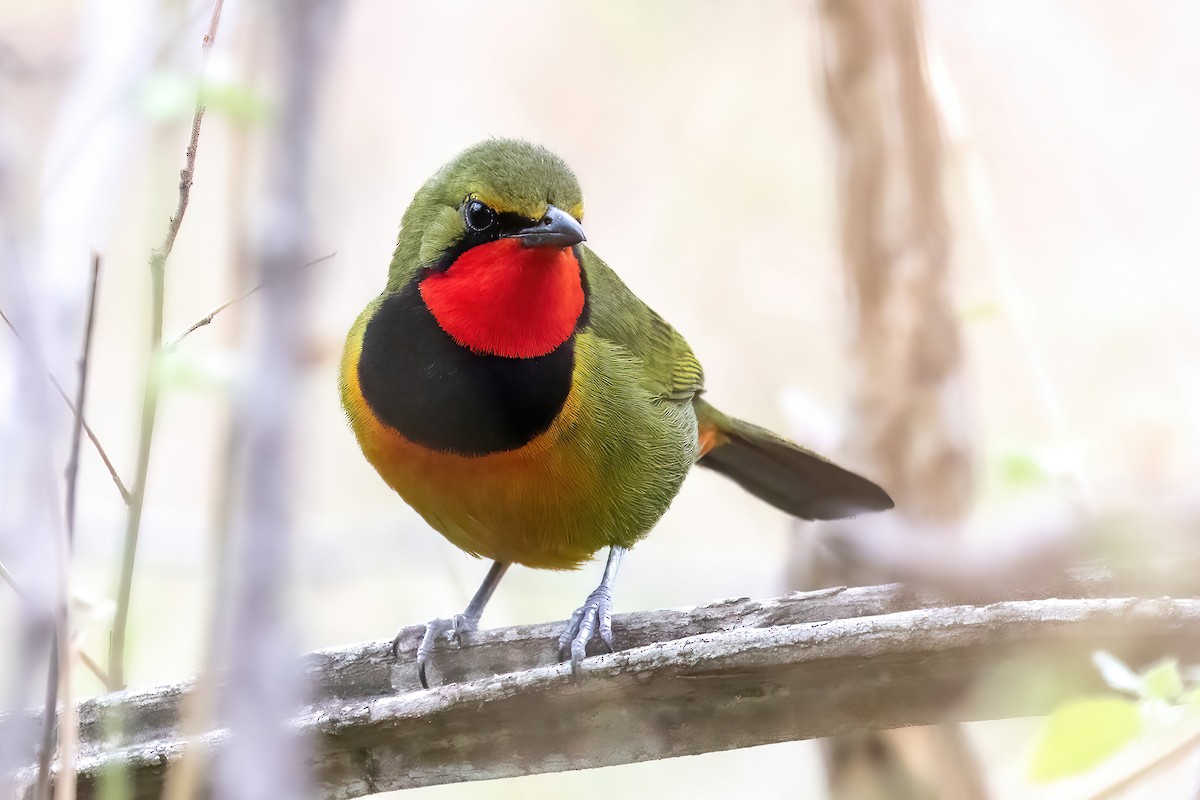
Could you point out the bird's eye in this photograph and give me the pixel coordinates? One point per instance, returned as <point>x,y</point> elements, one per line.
<point>479,217</point>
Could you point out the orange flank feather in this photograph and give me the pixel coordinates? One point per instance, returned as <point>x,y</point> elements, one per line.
<point>710,437</point>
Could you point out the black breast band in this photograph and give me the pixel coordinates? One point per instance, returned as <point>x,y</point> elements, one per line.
<point>441,395</point>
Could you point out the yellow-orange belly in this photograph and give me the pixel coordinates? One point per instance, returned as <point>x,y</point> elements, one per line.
<point>601,475</point>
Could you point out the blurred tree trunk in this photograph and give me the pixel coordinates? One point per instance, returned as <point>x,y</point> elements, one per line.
<point>267,757</point>
<point>907,425</point>
<point>28,485</point>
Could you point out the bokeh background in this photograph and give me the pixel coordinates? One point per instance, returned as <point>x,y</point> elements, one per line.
<point>699,134</point>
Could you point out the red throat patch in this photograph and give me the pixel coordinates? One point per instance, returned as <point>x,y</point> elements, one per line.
<point>505,299</point>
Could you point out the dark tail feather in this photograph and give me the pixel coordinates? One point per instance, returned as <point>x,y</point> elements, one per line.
<point>785,475</point>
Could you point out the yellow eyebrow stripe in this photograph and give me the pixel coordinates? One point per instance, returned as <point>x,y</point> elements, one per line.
<point>499,205</point>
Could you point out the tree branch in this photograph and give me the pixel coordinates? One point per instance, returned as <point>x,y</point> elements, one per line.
<point>261,686</point>
<point>732,674</point>
<point>80,399</point>
<point>60,650</point>
<point>58,387</point>
<point>208,318</point>
<point>158,263</point>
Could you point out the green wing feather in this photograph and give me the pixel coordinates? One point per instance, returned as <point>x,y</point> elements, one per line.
<point>786,475</point>
<point>671,369</point>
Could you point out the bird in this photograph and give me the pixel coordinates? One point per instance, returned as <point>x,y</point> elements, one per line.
<point>517,394</point>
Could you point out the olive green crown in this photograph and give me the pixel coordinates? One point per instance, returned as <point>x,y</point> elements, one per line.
<point>510,175</point>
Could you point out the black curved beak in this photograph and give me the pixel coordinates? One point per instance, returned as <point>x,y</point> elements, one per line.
<point>556,229</point>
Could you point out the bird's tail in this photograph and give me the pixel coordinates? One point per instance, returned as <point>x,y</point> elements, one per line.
<point>784,474</point>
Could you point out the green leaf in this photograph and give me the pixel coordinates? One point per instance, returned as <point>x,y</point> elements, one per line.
<point>195,369</point>
<point>978,312</point>
<point>237,102</point>
<point>1022,471</point>
<point>1116,673</point>
<point>167,96</point>
<point>1162,681</point>
<point>1082,734</point>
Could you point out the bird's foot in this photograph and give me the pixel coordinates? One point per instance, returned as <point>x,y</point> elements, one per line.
<point>452,629</point>
<point>592,618</point>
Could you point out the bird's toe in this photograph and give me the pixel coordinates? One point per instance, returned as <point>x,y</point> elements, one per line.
<point>452,629</point>
<point>568,634</point>
<point>593,618</point>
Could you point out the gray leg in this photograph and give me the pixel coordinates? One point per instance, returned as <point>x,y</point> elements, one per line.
<point>456,625</point>
<point>593,617</point>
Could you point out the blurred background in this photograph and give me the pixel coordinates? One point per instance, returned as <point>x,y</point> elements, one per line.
<point>701,136</point>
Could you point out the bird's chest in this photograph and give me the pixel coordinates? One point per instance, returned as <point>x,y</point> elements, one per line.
<point>445,397</point>
<point>492,455</point>
<point>601,473</point>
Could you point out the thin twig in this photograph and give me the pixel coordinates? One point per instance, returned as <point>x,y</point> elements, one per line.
<point>8,578</point>
<point>22,69</point>
<point>60,650</point>
<point>158,258</point>
<point>1013,302</point>
<point>207,320</point>
<point>68,732</point>
<point>93,667</point>
<point>58,387</point>
<point>87,660</point>
<point>121,96</point>
<point>158,261</point>
<point>49,723</point>
<point>80,395</point>
<point>1172,755</point>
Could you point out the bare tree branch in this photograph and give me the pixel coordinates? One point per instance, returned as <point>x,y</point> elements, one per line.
<point>732,674</point>
<point>60,651</point>
<point>80,397</point>
<point>88,661</point>
<point>158,262</point>
<point>58,387</point>
<point>30,529</point>
<point>263,688</point>
<point>1165,759</point>
<point>93,667</point>
<point>907,405</point>
<point>8,578</point>
<point>208,318</point>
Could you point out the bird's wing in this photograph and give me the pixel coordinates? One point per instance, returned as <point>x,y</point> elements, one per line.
<point>616,313</point>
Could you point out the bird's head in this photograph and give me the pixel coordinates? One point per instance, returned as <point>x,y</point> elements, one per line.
<point>490,243</point>
<point>498,189</point>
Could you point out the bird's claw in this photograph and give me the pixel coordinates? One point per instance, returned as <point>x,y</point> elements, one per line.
<point>592,618</point>
<point>452,629</point>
